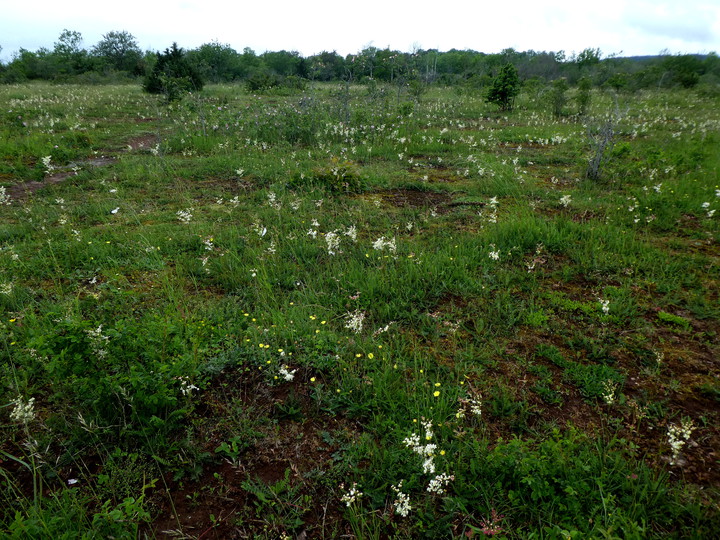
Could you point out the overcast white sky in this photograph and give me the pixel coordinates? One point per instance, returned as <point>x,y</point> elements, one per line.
<point>635,27</point>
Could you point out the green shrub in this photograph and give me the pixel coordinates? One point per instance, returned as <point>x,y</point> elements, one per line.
<point>172,75</point>
<point>504,88</point>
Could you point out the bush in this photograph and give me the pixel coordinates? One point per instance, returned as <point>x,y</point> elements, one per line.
<point>504,88</point>
<point>172,75</point>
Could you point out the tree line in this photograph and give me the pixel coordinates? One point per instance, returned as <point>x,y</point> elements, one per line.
<point>117,57</point>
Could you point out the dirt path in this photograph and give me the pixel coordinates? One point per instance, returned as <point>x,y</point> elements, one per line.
<point>23,190</point>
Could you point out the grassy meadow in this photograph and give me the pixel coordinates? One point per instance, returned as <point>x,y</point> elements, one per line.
<point>350,312</point>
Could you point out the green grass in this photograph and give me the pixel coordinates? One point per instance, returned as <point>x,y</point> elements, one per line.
<point>253,307</point>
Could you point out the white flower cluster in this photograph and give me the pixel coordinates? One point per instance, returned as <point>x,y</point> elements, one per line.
<point>426,450</point>
<point>24,412</point>
<point>471,404</point>
<point>565,200</point>
<point>352,495</point>
<point>705,206</point>
<point>608,393</point>
<point>354,321</point>
<point>402,502</point>
<point>604,305</point>
<point>6,288</point>
<point>4,197</point>
<point>491,215</point>
<point>97,340</point>
<point>678,436</point>
<point>351,232</point>
<point>381,244</point>
<point>184,216</point>
<point>333,243</point>
<point>437,485</point>
<point>272,200</point>
<point>46,163</point>
<point>186,387</point>
<point>286,373</point>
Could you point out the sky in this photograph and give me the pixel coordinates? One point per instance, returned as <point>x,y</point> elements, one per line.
<point>626,28</point>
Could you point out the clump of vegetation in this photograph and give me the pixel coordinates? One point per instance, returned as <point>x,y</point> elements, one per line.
<point>584,95</point>
<point>172,75</point>
<point>558,96</point>
<point>505,86</point>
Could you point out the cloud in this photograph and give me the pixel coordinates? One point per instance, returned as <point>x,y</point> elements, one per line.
<point>689,22</point>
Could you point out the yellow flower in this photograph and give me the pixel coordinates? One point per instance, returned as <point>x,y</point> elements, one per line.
<point>371,356</point>
<point>437,384</point>
<point>312,379</point>
<point>436,393</point>
<point>442,452</point>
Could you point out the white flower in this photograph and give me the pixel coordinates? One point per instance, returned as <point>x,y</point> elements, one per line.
<point>24,412</point>
<point>46,163</point>
<point>678,436</point>
<point>184,216</point>
<point>286,373</point>
<point>354,321</point>
<point>429,465</point>
<point>437,484</point>
<point>186,387</point>
<point>608,394</point>
<point>4,197</point>
<point>604,305</point>
<point>382,243</point>
<point>6,288</point>
<point>565,200</point>
<point>352,495</point>
<point>402,503</point>
<point>333,243</point>
<point>351,232</point>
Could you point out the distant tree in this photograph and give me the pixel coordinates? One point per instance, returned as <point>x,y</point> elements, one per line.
<point>558,97</point>
<point>684,70</point>
<point>68,54</point>
<point>505,86</point>
<point>617,81</point>
<point>216,62</point>
<point>120,51</point>
<point>172,75</point>
<point>583,96</point>
<point>588,57</point>
<point>284,63</point>
<point>326,66</point>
